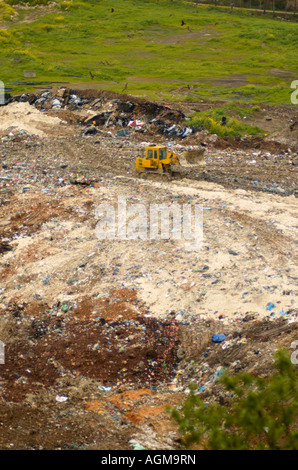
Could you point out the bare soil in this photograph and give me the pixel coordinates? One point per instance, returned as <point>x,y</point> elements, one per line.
<point>101,335</point>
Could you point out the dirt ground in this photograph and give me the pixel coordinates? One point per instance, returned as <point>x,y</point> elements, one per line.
<point>101,335</point>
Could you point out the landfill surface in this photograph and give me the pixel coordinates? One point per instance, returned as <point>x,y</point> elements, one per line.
<point>99,335</point>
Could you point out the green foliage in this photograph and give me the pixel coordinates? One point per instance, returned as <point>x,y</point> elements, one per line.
<point>262,414</point>
<point>28,2</point>
<point>143,43</point>
<point>279,5</point>
<point>6,11</point>
<point>6,37</point>
<point>212,121</point>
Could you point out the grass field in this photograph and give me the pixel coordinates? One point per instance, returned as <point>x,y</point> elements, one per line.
<point>161,49</point>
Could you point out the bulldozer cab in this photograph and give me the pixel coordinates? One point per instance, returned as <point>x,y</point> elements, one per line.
<point>156,153</point>
<point>158,160</point>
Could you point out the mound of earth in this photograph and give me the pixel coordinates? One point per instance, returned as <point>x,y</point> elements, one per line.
<point>101,334</point>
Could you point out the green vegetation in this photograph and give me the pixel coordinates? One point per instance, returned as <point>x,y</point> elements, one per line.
<point>261,5</point>
<point>215,54</point>
<point>6,11</point>
<point>223,121</point>
<point>262,413</point>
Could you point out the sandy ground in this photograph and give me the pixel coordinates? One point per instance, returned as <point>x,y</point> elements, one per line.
<point>101,334</point>
<point>23,117</point>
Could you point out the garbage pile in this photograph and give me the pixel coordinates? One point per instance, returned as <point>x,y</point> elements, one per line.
<point>100,334</point>
<point>109,109</point>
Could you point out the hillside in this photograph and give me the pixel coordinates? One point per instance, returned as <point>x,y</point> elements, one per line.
<point>98,334</point>
<point>101,334</point>
<point>165,50</point>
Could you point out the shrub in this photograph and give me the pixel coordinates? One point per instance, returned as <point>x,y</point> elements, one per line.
<point>6,11</point>
<point>262,414</point>
<point>212,121</point>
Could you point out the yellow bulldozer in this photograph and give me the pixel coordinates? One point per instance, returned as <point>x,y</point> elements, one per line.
<point>159,160</point>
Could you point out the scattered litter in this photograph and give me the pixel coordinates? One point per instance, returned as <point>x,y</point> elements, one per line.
<point>218,338</point>
<point>105,389</point>
<point>270,306</point>
<point>136,445</point>
<point>106,320</point>
<point>61,399</point>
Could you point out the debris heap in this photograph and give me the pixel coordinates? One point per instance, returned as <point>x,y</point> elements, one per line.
<point>101,108</point>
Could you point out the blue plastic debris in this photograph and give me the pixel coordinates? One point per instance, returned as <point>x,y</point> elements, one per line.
<point>270,306</point>
<point>137,446</point>
<point>218,338</point>
<point>283,313</point>
<point>123,133</point>
<point>218,373</point>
